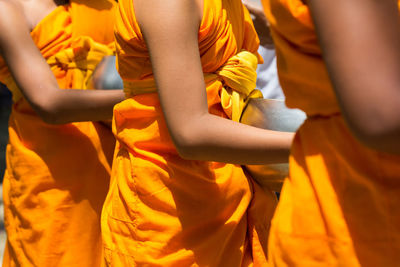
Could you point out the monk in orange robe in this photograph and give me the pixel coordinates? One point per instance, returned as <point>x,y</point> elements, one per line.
<point>57,176</point>
<point>177,197</point>
<point>340,204</point>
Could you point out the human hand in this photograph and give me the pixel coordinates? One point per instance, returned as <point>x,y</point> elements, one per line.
<point>260,23</point>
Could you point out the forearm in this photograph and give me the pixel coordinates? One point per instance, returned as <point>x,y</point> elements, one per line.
<point>64,106</point>
<point>213,138</point>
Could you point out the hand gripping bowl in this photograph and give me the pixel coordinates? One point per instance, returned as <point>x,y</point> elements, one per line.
<point>272,115</point>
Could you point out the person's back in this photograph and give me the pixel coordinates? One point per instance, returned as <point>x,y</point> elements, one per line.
<point>57,175</point>
<point>340,204</point>
<point>164,207</point>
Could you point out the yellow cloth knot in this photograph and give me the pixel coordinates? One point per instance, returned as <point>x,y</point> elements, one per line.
<point>79,60</point>
<point>239,76</point>
<point>84,54</point>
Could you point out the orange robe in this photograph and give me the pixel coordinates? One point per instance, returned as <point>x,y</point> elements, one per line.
<point>340,205</point>
<point>162,210</point>
<point>57,176</point>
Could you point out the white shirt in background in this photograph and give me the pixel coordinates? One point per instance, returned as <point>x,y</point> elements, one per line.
<point>267,75</point>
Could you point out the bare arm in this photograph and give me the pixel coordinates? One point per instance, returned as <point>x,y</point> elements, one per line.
<point>170,29</point>
<point>360,40</point>
<point>38,84</point>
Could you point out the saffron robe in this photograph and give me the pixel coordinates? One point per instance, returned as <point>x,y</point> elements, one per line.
<point>57,176</point>
<point>340,205</point>
<point>162,210</point>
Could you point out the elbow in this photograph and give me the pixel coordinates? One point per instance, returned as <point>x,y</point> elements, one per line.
<point>52,119</point>
<point>49,107</point>
<point>191,136</point>
<point>374,120</point>
<point>377,133</point>
<point>378,140</point>
<point>186,153</point>
<point>186,143</point>
<point>186,149</point>
<point>49,117</point>
<point>48,113</point>
<point>45,106</point>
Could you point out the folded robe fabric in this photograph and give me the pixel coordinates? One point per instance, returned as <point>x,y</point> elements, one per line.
<point>57,175</point>
<point>340,205</point>
<point>162,210</point>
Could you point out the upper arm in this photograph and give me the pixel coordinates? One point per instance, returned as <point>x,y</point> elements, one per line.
<point>360,41</point>
<point>170,29</point>
<point>25,62</point>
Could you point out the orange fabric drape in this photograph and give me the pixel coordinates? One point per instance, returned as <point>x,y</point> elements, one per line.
<point>57,176</point>
<point>340,204</point>
<point>162,210</point>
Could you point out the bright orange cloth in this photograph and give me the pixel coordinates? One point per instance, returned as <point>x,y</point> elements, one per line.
<point>162,210</point>
<point>340,205</point>
<point>57,175</point>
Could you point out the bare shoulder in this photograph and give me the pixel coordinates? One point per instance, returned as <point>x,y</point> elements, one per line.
<point>168,11</point>
<point>9,4</point>
<point>11,17</point>
<point>9,9</point>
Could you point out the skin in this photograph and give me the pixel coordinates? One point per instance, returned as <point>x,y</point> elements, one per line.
<point>360,41</point>
<point>38,84</point>
<point>170,29</point>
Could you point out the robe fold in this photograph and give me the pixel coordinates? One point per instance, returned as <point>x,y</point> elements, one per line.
<point>162,210</point>
<point>340,205</point>
<point>57,176</point>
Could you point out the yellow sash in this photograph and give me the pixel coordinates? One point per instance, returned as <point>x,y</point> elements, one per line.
<point>238,75</point>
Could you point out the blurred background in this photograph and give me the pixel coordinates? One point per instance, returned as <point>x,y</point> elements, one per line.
<point>5,108</point>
